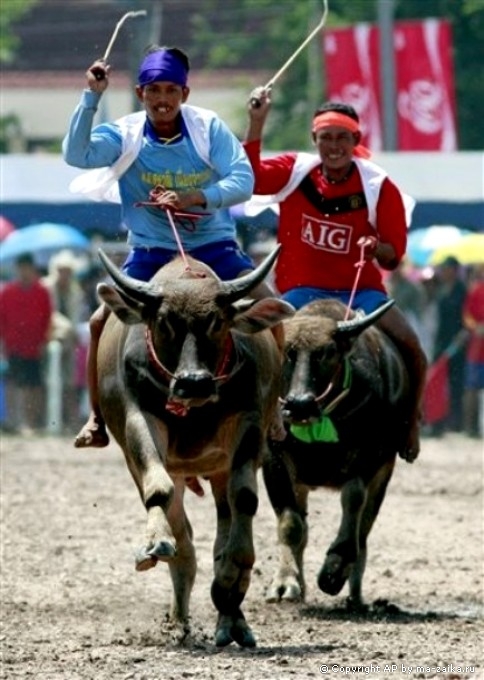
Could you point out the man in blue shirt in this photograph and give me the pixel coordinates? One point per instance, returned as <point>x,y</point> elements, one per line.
<point>168,156</point>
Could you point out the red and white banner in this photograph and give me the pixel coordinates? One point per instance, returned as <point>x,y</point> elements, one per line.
<point>425,106</point>
<point>350,58</point>
<point>425,86</point>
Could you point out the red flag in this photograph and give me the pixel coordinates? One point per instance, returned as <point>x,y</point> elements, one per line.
<point>436,400</point>
<point>350,57</point>
<point>425,86</point>
<point>424,82</point>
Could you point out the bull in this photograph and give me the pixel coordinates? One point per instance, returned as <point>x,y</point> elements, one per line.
<point>189,381</point>
<point>344,389</point>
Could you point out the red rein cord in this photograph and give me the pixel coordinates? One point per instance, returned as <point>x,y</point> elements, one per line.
<point>359,268</point>
<point>172,216</point>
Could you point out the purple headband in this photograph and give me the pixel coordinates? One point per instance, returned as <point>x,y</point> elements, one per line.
<point>162,65</point>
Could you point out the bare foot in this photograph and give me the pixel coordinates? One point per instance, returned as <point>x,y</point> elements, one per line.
<point>92,434</point>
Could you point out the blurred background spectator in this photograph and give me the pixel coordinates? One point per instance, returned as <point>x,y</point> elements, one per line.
<point>473,318</point>
<point>67,302</point>
<point>450,339</point>
<point>408,293</point>
<point>25,321</point>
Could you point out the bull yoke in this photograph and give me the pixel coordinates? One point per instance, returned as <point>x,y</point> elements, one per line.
<point>188,384</point>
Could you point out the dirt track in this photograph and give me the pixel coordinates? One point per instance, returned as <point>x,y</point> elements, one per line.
<point>73,607</point>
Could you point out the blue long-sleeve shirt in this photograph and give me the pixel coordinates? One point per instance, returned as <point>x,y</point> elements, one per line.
<point>226,181</point>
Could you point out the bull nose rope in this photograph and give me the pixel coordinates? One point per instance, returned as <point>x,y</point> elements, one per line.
<point>222,374</point>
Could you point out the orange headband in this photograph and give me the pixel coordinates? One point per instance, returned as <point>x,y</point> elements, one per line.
<point>328,118</point>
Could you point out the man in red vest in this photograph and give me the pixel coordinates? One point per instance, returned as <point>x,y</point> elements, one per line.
<point>335,205</point>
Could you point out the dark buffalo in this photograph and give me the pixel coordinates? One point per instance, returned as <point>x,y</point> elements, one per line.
<point>189,382</point>
<point>344,389</point>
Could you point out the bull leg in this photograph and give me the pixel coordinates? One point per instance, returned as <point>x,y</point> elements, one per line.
<point>343,552</point>
<point>157,494</point>
<point>183,566</point>
<point>155,488</point>
<point>233,564</point>
<point>289,501</point>
<point>375,495</point>
<point>288,583</point>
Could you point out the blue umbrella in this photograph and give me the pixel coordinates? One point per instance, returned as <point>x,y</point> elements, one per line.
<point>422,243</point>
<point>42,241</point>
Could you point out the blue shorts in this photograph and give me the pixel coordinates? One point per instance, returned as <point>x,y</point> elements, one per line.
<point>474,375</point>
<point>225,258</point>
<point>367,300</point>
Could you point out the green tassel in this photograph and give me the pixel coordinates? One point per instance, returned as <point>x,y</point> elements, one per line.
<point>322,431</point>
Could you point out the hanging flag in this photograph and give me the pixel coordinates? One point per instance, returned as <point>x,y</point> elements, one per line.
<point>425,86</point>
<point>425,106</point>
<point>436,398</point>
<point>351,76</point>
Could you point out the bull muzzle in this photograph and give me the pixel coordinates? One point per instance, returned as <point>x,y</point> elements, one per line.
<point>300,408</point>
<point>193,385</point>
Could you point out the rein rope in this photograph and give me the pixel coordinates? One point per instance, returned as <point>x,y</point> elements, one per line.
<point>173,216</point>
<point>359,268</point>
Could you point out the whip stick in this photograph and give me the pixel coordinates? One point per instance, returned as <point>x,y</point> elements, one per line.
<point>99,72</point>
<point>254,101</point>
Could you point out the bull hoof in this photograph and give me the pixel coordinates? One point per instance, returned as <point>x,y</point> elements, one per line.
<point>333,574</point>
<point>411,448</point>
<point>355,605</point>
<point>147,558</point>
<point>234,630</point>
<point>287,592</point>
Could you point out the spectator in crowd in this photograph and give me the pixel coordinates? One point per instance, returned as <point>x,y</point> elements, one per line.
<point>428,323</point>
<point>473,318</point>
<point>450,338</point>
<point>88,279</point>
<point>408,294</point>
<point>25,322</point>
<point>67,298</point>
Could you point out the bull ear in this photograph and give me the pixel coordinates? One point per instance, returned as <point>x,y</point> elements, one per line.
<point>254,316</point>
<point>126,310</point>
<point>231,291</point>
<point>355,326</point>
<point>138,291</point>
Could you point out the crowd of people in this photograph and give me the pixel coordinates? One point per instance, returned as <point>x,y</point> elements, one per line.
<point>37,307</point>
<point>173,165</point>
<point>445,305</point>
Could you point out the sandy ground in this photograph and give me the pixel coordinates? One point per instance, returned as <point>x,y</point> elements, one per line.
<point>73,607</point>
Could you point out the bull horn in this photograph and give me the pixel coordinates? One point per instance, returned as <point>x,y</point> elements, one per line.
<point>234,290</point>
<point>139,291</point>
<point>359,324</point>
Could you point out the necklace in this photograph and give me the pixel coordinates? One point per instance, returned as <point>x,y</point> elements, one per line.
<point>169,140</point>
<point>341,179</point>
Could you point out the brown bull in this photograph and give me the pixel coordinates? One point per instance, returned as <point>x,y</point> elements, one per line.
<point>344,390</point>
<point>189,382</point>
